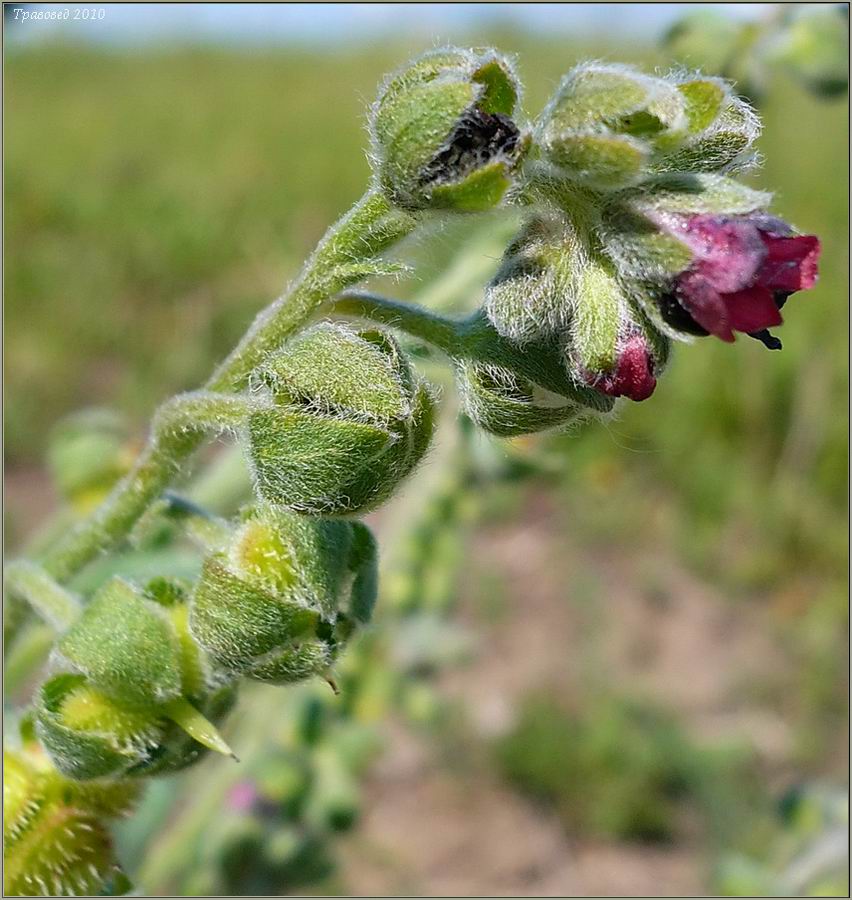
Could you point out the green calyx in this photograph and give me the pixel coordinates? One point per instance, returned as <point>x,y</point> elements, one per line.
<point>88,734</point>
<point>283,598</point>
<point>56,839</point>
<point>349,420</point>
<point>442,131</point>
<point>126,646</point>
<point>722,130</point>
<point>605,123</point>
<point>501,402</point>
<point>610,127</point>
<point>137,691</point>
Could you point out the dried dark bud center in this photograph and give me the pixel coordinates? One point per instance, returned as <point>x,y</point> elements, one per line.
<point>478,138</point>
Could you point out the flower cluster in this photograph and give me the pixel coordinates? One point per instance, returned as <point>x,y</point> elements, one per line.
<point>633,233</point>
<point>637,233</point>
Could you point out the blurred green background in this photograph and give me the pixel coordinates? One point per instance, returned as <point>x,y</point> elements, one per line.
<point>658,610</point>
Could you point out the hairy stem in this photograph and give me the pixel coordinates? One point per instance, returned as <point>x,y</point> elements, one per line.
<point>472,338</point>
<point>178,428</point>
<point>58,607</point>
<point>342,257</point>
<point>443,333</point>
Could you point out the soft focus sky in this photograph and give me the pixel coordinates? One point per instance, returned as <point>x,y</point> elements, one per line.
<point>338,22</point>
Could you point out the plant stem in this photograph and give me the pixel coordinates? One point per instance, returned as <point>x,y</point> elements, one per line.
<point>58,607</point>
<point>473,338</point>
<point>343,257</point>
<point>178,428</point>
<point>443,333</point>
<point>371,227</point>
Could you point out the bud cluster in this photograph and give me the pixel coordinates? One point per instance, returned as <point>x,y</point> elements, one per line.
<point>636,234</point>
<point>142,676</point>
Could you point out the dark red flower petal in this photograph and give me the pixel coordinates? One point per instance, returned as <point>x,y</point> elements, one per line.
<point>741,266</point>
<point>705,304</point>
<point>728,252</point>
<point>790,264</point>
<point>634,372</point>
<point>752,309</point>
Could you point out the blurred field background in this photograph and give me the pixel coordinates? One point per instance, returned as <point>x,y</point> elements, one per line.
<point>654,694</point>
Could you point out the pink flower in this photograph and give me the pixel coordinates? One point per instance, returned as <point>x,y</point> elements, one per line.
<point>743,270</point>
<point>633,376</point>
<point>242,796</point>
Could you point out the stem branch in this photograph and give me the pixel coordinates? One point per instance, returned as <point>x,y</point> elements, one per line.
<point>344,256</point>
<point>445,334</point>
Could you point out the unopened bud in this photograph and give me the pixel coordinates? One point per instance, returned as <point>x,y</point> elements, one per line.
<point>610,349</point>
<point>722,130</point>
<point>350,421</point>
<point>279,604</point>
<point>56,840</point>
<point>555,289</point>
<point>606,123</point>
<point>138,697</point>
<point>502,402</point>
<point>442,131</point>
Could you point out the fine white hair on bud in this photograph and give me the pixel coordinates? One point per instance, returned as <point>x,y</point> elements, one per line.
<point>283,598</point>
<point>609,127</point>
<point>130,680</point>
<point>721,132</point>
<point>349,421</point>
<point>56,839</point>
<point>605,123</point>
<point>532,294</point>
<point>443,133</point>
<point>504,403</point>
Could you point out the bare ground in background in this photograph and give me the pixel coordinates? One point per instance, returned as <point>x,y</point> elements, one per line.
<point>435,829</point>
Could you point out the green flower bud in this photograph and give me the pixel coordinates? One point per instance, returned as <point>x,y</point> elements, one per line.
<point>526,299</point>
<point>722,130</point>
<point>606,122</point>
<point>442,131</point>
<point>502,402</point>
<point>610,127</point>
<point>55,838</point>
<point>287,594</point>
<point>126,645</point>
<point>87,454</point>
<point>139,699</point>
<point>609,346</point>
<point>88,734</point>
<point>562,292</point>
<point>350,420</point>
